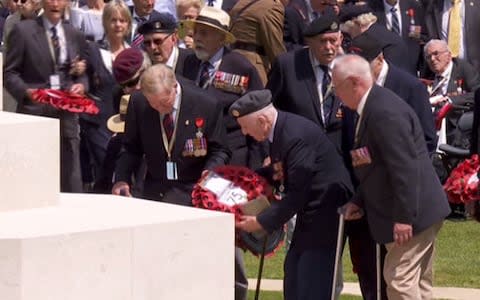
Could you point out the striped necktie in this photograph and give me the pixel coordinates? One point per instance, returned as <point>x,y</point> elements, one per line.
<point>55,44</point>
<point>395,23</point>
<point>137,40</point>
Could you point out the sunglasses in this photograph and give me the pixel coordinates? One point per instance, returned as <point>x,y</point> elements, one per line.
<point>20,1</point>
<point>156,42</point>
<point>131,83</point>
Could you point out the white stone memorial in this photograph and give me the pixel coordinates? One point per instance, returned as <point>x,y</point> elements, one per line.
<point>98,247</point>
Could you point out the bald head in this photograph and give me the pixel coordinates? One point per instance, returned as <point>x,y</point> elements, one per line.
<point>352,78</point>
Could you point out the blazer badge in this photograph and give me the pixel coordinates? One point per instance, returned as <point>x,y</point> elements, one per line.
<point>229,82</point>
<point>197,146</point>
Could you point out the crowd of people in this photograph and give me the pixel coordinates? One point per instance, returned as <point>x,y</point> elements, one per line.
<point>335,102</point>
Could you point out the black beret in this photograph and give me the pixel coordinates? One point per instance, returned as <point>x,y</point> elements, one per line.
<point>161,23</point>
<point>348,12</point>
<point>250,102</point>
<point>366,45</point>
<point>324,24</point>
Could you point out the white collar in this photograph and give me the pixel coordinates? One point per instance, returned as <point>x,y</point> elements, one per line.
<point>272,130</point>
<point>361,104</point>
<point>383,74</point>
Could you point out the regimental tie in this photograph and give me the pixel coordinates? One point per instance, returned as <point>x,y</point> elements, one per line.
<point>327,103</point>
<point>138,38</point>
<point>55,44</point>
<point>204,75</point>
<point>454,28</point>
<point>168,125</point>
<point>395,23</point>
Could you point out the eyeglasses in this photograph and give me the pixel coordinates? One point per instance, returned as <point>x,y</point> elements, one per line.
<point>435,53</point>
<point>156,42</point>
<point>131,83</point>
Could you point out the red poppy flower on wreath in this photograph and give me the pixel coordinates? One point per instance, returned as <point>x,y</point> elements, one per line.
<point>462,184</point>
<point>253,184</point>
<point>65,101</point>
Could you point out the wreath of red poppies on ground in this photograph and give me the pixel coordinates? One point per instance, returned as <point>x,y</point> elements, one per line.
<point>65,101</point>
<point>462,185</point>
<point>252,183</point>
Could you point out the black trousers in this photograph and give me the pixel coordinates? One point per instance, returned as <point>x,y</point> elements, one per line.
<point>70,172</point>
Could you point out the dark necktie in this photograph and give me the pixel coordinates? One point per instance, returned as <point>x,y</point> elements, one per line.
<point>327,101</point>
<point>210,2</point>
<point>55,44</point>
<point>437,86</point>
<point>168,125</point>
<point>395,23</point>
<point>138,38</point>
<point>204,75</point>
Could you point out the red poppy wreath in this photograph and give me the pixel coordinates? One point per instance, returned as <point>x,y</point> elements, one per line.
<point>65,101</point>
<point>462,184</point>
<point>244,186</point>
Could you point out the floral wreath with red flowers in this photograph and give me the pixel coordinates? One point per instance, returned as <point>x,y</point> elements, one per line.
<point>253,184</point>
<point>65,101</point>
<point>462,184</point>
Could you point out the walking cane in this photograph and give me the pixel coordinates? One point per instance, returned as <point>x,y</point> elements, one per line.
<point>338,256</point>
<point>379,272</point>
<point>260,267</point>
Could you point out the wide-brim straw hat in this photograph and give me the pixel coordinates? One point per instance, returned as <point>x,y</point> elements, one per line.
<point>215,18</point>
<point>116,123</point>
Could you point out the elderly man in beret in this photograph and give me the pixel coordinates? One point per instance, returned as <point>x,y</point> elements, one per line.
<point>300,80</point>
<point>160,41</point>
<point>309,170</point>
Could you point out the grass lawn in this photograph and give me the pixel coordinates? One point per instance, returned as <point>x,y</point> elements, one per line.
<point>266,295</point>
<point>456,261</point>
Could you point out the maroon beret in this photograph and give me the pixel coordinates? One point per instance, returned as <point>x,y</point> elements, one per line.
<point>127,64</point>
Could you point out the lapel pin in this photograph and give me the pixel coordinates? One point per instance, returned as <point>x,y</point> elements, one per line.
<point>187,122</point>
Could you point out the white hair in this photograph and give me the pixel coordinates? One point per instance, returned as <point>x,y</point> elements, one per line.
<point>352,65</point>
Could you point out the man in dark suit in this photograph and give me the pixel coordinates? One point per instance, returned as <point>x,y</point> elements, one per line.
<point>455,81</point>
<point>43,54</point>
<point>307,167</point>
<point>160,42</point>
<point>300,80</point>
<point>225,74</point>
<point>142,11</point>
<point>357,19</point>
<point>406,86</point>
<point>398,189</point>
<point>439,22</point>
<point>178,129</point>
<point>407,19</point>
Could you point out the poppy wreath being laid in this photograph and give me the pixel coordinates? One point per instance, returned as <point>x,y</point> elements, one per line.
<point>462,184</point>
<point>65,101</point>
<point>255,186</point>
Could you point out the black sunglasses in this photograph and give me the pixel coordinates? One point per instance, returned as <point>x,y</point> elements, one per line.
<point>157,42</point>
<point>131,83</point>
<point>21,1</point>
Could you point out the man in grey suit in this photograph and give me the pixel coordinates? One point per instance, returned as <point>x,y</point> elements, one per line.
<point>398,189</point>
<point>44,53</point>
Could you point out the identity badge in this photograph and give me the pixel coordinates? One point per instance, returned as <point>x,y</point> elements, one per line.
<point>55,82</point>
<point>172,170</point>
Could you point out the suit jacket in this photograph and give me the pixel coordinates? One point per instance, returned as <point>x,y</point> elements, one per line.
<point>261,25</point>
<point>294,89</point>
<point>433,21</point>
<point>316,182</point>
<point>232,63</point>
<point>413,45</point>
<point>296,20</point>
<point>399,185</point>
<point>143,137</point>
<point>154,14</point>
<point>29,64</point>
<point>468,75</point>
<point>414,92</point>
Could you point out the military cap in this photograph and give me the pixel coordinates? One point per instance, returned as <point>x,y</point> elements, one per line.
<point>325,24</point>
<point>349,12</point>
<point>366,45</point>
<point>250,102</point>
<point>127,64</point>
<point>160,23</point>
